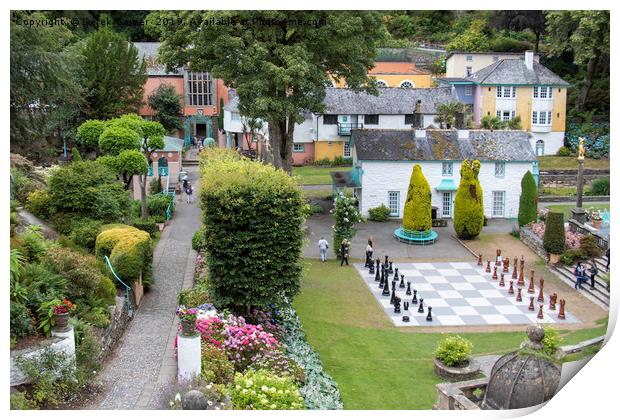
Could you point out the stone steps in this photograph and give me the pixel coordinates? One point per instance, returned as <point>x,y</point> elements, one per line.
<point>599,295</point>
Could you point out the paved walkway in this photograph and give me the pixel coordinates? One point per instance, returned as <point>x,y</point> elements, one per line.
<point>144,361</point>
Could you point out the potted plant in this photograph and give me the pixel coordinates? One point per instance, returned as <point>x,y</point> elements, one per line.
<point>187,317</point>
<point>596,218</point>
<point>453,359</point>
<point>62,312</point>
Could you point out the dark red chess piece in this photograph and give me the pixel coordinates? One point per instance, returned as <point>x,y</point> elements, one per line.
<point>530,287</point>
<point>561,314</point>
<point>522,263</point>
<point>519,298</point>
<point>541,295</point>
<point>514,262</point>
<point>488,269</point>
<point>501,281</point>
<point>494,277</point>
<point>531,307</point>
<point>553,299</point>
<point>480,259</point>
<point>521,282</point>
<point>540,312</point>
<point>511,290</point>
<point>514,270</point>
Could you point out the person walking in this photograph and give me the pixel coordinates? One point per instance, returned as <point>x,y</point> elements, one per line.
<point>369,251</point>
<point>344,252</point>
<point>607,255</point>
<point>189,191</point>
<point>593,272</point>
<point>323,246</point>
<point>579,275</point>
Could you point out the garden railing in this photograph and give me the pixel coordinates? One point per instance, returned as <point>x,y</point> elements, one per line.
<point>174,197</point>
<point>127,288</point>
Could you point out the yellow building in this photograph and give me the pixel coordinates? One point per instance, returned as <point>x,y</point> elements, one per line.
<point>397,74</point>
<point>521,87</point>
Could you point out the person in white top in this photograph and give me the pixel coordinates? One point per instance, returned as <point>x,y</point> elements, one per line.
<point>323,246</point>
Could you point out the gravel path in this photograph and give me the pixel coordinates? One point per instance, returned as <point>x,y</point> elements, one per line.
<point>144,361</point>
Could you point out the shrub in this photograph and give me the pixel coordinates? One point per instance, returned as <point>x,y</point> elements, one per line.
<point>346,216</point>
<point>248,210</point>
<point>379,214</point>
<point>245,342</point>
<point>504,43</point>
<point>36,246</point>
<point>39,203</point>
<point>276,362</point>
<point>21,321</point>
<point>98,319</point>
<point>199,240</point>
<point>342,161</point>
<point>596,135</point>
<point>528,201</point>
<point>454,351</point>
<point>563,151</point>
<point>313,208</point>
<point>215,365</point>
<point>263,390</point>
<point>323,162</point>
<point>489,122</point>
<point>468,203</point>
<point>117,138</point>
<point>589,248</point>
<point>193,297</point>
<point>554,239</point>
<point>417,215</point>
<point>600,186</point>
<point>149,225</point>
<point>155,186</point>
<point>551,341</point>
<point>514,123</point>
<point>84,232</point>
<point>515,232</point>
<point>22,184</point>
<point>572,255</point>
<point>75,154</point>
<point>87,137</point>
<point>158,204</point>
<point>129,251</point>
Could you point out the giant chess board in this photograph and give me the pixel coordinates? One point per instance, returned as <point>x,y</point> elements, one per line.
<point>459,293</point>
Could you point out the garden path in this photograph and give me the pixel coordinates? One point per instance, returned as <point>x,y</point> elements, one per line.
<point>143,366</point>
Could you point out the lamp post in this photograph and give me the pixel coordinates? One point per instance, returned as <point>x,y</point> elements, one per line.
<point>578,213</point>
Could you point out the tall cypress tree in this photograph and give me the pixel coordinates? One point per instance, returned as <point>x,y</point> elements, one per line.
<point>528,201</point>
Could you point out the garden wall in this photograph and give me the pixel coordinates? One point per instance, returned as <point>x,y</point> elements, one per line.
<point>110,336</point>
<point>568,177</point>
<point>533,242</point>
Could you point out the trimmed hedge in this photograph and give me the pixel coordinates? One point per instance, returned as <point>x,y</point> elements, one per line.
<point>554,239</point>
<point>129,250</point>
<point>528,201</point>
<point>417,215</point>
<point>600,186</point>
<point>158,204</point>
<point>468,204</point>
<point>84,232</point>
<point>149,225</point>
<point>252,216</point>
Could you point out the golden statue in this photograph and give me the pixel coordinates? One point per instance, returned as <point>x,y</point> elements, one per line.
<point>582,149</point>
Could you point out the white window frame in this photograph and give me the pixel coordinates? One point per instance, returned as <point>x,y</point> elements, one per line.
<point>542,92</point>
<point>499,207</point>
<point>393,200</point>
<point>346,150</point>
<point>446,195</point>
<point>381,84</point>
<point>469,90</point>
<point>542,118</point>
<point>506,91</point>
<point>500,169</point>
<point>235,116</point>
<point>534,117</point>
<point>200,88</point>
<point>447,168</point>
<point>411,84</point>
<point>298,148</point>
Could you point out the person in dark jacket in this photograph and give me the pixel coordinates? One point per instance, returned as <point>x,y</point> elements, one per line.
<point>344,252</point>
<point>593,272</point>
<point>607,255</point>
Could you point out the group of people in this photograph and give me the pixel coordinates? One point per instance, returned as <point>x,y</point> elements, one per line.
<point>582,276</point>
<point>344,250</point>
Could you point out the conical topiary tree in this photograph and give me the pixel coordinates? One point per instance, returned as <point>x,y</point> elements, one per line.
<point>468,204</point>
<point>418,205</point>
<point>554,239</point>
<point>528,201</point>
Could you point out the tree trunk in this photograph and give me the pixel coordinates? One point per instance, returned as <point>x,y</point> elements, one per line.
<point>275,139</point>
<point>537,42</point>
<point>587,83</point>
<point>287,147</point>
<point>144,210</point>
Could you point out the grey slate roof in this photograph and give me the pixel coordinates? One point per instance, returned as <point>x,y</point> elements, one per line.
<point>390,101</point>
<point>148,51</point>
<point>232,105</point>
<point>403,145</point>
<point>514,72</point>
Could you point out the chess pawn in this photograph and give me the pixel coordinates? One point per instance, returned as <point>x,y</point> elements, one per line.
<point>519,298</point>
<point>540,312</point>
<point>561,314</point>
<point>514,270</point>
<point>408,292</point>
<point>480,260</point>
<point>511,290</point>
<point>414,301</point>
<point>393,297</point>
<point>494,277</point>
<point>541,295</point>
<point>530,287</point>
<point>397,305</point>
<point>429,316</point>
<point>396,274</point>
<point>386,289</point>
<point>405,318</point>
<point>521,281</point>
<point>402,281</point>
<point>406,305</point>
<point>552,301</point>
<point>488,269</point>
<point>501,281</point>
<point>390,270</point>
<point>531,307</point>
<point>371,270</point>
<point>421,307</point>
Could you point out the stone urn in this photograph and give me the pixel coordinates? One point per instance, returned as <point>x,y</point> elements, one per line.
<point>596,224</point>
<point>188,328</point>
<point>61,321</point>
<point>465,372</point>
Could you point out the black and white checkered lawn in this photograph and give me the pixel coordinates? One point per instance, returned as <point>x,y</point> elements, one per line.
<point>460,293</point>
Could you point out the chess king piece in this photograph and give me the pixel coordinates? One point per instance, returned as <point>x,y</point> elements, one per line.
<point>390,270</point>
<point>514,262</point>
<point>488,269</point>
<point>519,298</point>
<point>396,274</point>
<point>386,289</point>
<point>402,281</point>
<point>421,307</point>
<point>381,278</point>
<point>406,305</point>
<point>531,306</point>
<point>514,270</point>
<point>552,301</point>
<point>386,260</point>
<point>511,290</point>
<point>408,292</point>
<point>498,257</point>
<point>429,316</point>
<point>530,287</point>
<point>561,313</point>
<point>541,296</point>
<point>522,262</point>
<point>480,260</point>
<point>501,281</point>
<point>540,312</point>
<point>397,305</point>
<point>494,276</point>
<point>506,266</point>
<point>414,301</point>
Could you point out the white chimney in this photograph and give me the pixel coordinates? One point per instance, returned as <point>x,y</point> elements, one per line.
<point>529,60</point>
<point>463,134</point>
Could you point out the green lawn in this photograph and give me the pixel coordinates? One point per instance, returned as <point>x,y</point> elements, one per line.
<point>566,208</point>
<point>315,175</point>
<point>570,162</point>
<point>376,365</point>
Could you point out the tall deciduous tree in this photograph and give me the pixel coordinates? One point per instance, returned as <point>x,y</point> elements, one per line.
<point>585,33</point>
<point>114,75</point>
<point>167,106</point>
<point>279,62</point>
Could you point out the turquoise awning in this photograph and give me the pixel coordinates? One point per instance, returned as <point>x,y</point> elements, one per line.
<point>446,185</point>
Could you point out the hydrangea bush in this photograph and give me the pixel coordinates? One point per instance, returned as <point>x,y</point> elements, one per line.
<point>243,342</point>
<point>263,390</point>
<point>346,216</point>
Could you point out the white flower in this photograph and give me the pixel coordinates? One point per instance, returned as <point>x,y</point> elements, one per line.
<point>209,403</point>
<point>177,397</point>
<point>264,388</point>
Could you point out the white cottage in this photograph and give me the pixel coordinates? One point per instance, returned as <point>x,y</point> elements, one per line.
<point>383,161</point>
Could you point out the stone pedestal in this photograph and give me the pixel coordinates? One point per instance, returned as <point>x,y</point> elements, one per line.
<point>579,214</point>
<point>68,341</point>
<point>189,358</point>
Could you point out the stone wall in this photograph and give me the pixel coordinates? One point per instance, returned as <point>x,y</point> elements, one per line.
<point>563,198</point>
<point>110,336</point>
<point>533,242</point>
<point>568,177</point>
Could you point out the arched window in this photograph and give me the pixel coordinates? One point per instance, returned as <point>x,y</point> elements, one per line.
<point>540,148</point>
<point>162,166</point>
<point>381,83</point>
<point>407,84</point>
